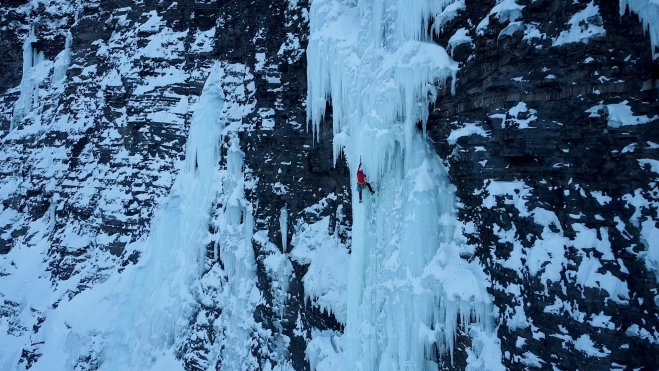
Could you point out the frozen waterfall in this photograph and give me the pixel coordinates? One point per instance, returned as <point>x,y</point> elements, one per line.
<point>31,78</point>
<point>408,285</point>
<point>168,286</point>
<point>136,320</point>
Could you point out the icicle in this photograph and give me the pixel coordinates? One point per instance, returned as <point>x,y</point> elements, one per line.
<point>648,11</point>
<point>283,227</point>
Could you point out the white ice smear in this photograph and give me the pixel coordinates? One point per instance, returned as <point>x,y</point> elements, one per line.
<point>465,131</point>
<point>447,14</point>
<point>653,165</point>
<point>601,198</point>
<point>461,36</point>
<point>504,11</point>
<point>650,239</point>
<point>407,284</point>
<point>511,29</point>
<point>584,344</point>
<point>522,108</point>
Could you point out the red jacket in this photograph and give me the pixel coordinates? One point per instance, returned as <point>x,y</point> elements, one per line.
<point>360,176</point>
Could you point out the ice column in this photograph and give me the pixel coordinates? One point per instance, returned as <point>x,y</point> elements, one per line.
<point>407,283</point>
<point>160,302</point>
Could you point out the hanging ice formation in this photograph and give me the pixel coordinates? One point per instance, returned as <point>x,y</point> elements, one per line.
<point>407,284</point>
<point>62,61</point>
<point>36,68</point>
<point>648,11</point>
<point>30,80</point>
<point>139,319</point>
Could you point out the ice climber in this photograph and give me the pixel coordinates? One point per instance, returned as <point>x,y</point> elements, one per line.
<point>361,182</point>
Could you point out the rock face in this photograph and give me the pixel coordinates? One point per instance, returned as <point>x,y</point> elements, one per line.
<point>549,138</point>
<point>548,180</point>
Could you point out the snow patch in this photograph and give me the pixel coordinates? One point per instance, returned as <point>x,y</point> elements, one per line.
<point>653,165</point>
<point>326,279</point>
<point>461,36</point>
<point>465,131</point>
<point>584,26</point>
<point>586,345</point>
<point>650,239</point>
<point>324,351</point>
<point>619,114</point>
<point>447,15</point>
<point>521,108</point>
<point>504,11</point>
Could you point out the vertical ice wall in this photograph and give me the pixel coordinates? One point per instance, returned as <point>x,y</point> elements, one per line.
<point>139,319</point>
<point>133,320</point>
<point>407,284</point>
<point>229,282</point>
